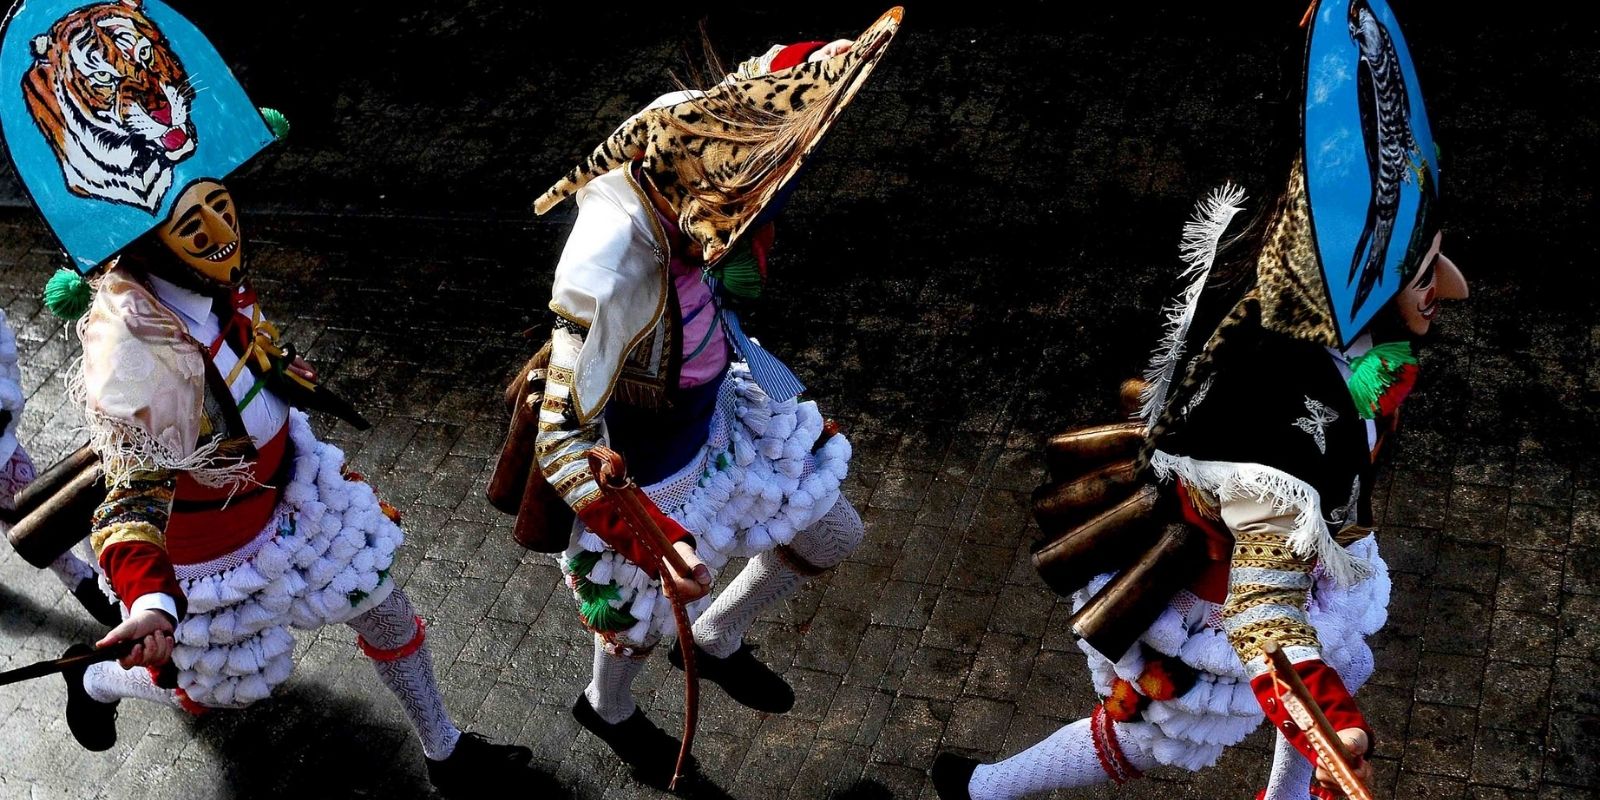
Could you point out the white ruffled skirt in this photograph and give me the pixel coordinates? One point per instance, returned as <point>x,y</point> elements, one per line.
<point>1191,730</point>
<point>754,485</point>
<point>323,558</point>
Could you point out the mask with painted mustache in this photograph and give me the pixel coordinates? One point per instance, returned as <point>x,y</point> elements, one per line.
<point>203,232</point>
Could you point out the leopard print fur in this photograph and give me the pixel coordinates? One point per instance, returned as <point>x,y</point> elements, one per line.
<point>710,156</point>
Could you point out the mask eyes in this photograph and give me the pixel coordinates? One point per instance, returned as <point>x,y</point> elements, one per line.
<point>189,228</point>
<point>1425,278</point>
<point>101,77</point>
<point>142,52</point>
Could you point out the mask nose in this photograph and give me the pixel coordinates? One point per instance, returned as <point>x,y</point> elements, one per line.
<point>1449,281</point>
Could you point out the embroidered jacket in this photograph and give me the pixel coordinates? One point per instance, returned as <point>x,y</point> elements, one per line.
<point>161,415</point>
<point>617,335</point>
<point>1274,457</point>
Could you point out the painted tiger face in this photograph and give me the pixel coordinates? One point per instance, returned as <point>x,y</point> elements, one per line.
<point>113,101</point>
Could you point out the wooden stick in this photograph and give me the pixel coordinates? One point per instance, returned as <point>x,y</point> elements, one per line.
<point>1305,712</point>
<point>52,666</point>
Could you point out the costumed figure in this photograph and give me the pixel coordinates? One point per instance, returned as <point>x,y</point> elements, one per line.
<point>222,521</point>
<point>648,357</point>
<point>1232,519</point>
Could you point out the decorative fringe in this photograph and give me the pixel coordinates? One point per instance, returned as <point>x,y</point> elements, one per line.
<point>67,294</point>
<point>125,448</point>
<point>1310,538</point>
<point>1198,251</point>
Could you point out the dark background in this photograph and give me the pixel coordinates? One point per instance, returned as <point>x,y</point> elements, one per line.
<point>1008,185</point>
<point>975,261</point>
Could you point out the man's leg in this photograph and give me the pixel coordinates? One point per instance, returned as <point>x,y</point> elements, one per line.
<point>766,580</point>
<point>1088,752</point>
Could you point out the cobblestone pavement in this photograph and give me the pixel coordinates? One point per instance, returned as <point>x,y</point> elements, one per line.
<point>974,263</point>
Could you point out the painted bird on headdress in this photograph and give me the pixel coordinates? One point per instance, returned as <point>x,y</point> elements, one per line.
<point>1390,145</point>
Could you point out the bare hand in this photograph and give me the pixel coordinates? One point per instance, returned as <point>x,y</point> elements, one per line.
<point>1355,744</point>
<point>837,47</point>
<point>152,630</point>
<point>693,586</point>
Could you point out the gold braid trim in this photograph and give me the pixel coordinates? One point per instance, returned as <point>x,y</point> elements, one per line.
<point>1247,596</point>
<point>1248,639</point>
<point>122,532</point>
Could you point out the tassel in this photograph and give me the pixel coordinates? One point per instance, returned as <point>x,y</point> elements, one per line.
<point>276,122</point>
<point>595,607</point>
<point>1381,378</point>
<point>67,294</point>
<point>740,274</point>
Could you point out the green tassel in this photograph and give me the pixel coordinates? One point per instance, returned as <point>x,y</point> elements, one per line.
<point>581,564</point>
<point>739,273</point>
<point>594,605</point>
<point>1375,371</point>
<point>67,294</point>
<point>276,122</point>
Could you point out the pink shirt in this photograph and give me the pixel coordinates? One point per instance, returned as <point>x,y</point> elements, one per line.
<point>704,346</point>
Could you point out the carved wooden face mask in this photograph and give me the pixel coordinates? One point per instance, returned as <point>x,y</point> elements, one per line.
<point>203,232</point>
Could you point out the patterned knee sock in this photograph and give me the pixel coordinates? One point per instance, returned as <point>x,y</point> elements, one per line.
<point>610,689</point>
<point>774,575</point>
<point>108,682</point>
<point>70,570</point>
<point>393,636</point>
<point>1291,773</point>
<point>1068,758</point>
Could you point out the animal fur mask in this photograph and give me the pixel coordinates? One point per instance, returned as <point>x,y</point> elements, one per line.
<point>705,154</point>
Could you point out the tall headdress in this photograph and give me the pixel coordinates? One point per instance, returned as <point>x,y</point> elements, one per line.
<point>1361,199</point>
<point>110,109</point>
<point>712,154</point>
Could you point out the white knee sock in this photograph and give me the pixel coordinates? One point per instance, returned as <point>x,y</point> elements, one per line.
<point>70,570</point>
<point>610,689</point>
<point>1291,773</point>
<point>108,682</point>
<point>390,630</point>
<point>1064,760</point>
<point>767,579</point>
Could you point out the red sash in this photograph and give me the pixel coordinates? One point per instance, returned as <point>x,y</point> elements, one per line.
<point>206,525</point>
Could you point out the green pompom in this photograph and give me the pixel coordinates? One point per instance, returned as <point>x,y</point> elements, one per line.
<point>740,273</point>
<point>276,122</point>
<point>67,294</point>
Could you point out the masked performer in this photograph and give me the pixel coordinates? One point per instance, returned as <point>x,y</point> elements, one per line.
<point>225,522</point>
<point>1291,369</point>
<point>648,356</point>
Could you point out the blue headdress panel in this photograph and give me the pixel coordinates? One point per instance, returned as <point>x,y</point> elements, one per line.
<point>109,110</point>
<point>1372,171</point>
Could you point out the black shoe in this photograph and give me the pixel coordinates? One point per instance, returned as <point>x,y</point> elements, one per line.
<point>478,766</point>
<point>952,775</point>
<point>650,751</point>
<point>96,603</point>
<point>93,723</point>
<point>748,681</point>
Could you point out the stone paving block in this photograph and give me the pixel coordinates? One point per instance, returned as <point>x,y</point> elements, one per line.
<point>1511,759</point>
<point>978,725</point>
<point>1516,696</point>
<point>1449,680</point>
<point>1523,638</point>
<point>1455,623</point>
<point>959,620</point>
<point>910,733</point>
<point>1573,758</point>
<point>1436,743</point>
<point>1530,580</point>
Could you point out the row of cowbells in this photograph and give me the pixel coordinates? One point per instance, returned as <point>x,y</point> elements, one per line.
<point>1100,513</point>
